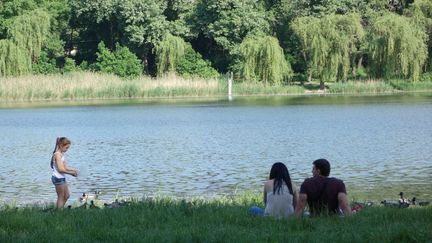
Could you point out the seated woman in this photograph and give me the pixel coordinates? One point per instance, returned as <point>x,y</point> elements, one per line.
<point>280,195</point>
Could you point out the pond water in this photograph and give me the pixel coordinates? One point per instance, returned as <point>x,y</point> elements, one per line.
<point>379,145</point>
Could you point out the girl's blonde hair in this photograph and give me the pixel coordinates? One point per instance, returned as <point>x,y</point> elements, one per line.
<point>60,141</point>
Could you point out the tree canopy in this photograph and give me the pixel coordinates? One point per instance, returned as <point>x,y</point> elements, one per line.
<point>397,47</point>
<point>261,40</point>
<point>25,36</point>
<point>263,60</point>
<point>329,43</point>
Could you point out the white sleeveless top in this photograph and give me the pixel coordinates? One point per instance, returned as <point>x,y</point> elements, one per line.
<point>55,171</point>
<point>279,205</point>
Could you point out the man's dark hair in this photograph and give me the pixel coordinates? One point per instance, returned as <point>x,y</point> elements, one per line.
<point>323,165</point>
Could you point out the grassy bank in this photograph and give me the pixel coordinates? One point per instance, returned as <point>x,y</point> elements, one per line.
<point>217,220</point>
<point>361,87</point>
<point>87,85</point>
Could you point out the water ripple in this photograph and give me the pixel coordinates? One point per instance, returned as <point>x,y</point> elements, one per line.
<point>378,148</point>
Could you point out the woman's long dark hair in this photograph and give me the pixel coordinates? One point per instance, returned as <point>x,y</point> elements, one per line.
<point>279,172</point>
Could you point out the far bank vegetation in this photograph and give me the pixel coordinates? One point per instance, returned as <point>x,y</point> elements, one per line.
<point>263,43</point>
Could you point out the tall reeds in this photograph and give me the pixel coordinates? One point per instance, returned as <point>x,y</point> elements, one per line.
<point>87,85</point>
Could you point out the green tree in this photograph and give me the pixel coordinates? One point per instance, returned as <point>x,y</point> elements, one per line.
<point>173,54</point>
<point>69,65</point>
<point>53,45</point>
<point>92,22</point>
<point>143,22</point>
<point>285,11</point>
<point>25,35</point>
<point>120,62</point>
<point>421,12</point>
<point>329,43</point>
<point>193,65</point>
<point>45,65</point>
<point>221,25</point>
<point>168,52</point>
<point>397,47</point>
<point>177,12</point>
<point>263,60</point>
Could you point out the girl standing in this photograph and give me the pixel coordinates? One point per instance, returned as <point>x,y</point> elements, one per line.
<point>59,169</point>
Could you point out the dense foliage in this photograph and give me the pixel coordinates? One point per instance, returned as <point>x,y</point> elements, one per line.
<point>263,60</point>
<point>121,62</point>
<point>331,41</point>
<point>329,44</point>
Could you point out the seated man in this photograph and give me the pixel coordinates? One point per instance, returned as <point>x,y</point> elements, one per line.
<point>324,195</point>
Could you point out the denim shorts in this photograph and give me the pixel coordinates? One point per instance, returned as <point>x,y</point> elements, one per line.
<point>58,181</point>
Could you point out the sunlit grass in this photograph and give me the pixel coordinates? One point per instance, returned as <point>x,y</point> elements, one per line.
<point>88,86</point>
<point>412,86</point>
<point>223,219</point>
<point>255,88</point>
<point>361,87</point>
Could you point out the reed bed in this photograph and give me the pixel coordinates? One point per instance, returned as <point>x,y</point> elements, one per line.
<point>224,219</point>
<point>255,88</point>
<point>88,85</point>
<point>361,87</point>
<point>412,86</point>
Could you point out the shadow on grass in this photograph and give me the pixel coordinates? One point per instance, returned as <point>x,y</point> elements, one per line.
<point>216,220</point>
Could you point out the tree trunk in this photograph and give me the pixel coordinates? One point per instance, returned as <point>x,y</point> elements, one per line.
<point>145,63</point>
<point>359,63</point>
<point>322,86</point>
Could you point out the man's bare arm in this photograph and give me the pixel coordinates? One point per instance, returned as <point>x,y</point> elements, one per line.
<point>343,203</point>
<point>301,204</point>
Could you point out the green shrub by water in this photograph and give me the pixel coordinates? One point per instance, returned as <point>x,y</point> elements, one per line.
<point>120,62</point>
<point>193,65</point>
<point>224,219</point>
<point>412,86</point>
<point>255,88</point>
<point>360,87</point>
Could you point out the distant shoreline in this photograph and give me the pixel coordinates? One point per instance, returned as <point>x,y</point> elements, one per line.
<point>82,87</point>
<point>4,104</point>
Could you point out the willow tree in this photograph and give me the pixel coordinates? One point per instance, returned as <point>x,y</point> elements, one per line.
<point>264,60</point>
<point>168,52</point>
<point>23,45</point>
<point>329,44</point>
<point>397,47</point>
<point>421,12</point>
<point>13,59</point>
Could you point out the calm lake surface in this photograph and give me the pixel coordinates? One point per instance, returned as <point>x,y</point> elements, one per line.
<point>379,145</point>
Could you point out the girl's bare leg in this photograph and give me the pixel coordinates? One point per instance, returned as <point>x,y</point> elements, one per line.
<point>62,195</point>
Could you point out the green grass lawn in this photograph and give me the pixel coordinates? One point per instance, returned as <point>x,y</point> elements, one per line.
<point>215,220</point>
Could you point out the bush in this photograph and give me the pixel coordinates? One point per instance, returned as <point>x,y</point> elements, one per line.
<point>84,66</point>
<point>359,87</point>
<point>426,77</point>
<point>361,73</point>
<point>121,62</point>
<point>192,64</point>
<point>45,65</point>
<point>69,65</point>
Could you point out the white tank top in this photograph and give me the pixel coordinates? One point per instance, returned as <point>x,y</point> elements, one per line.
<point>279,205</point>
<point>55,171</point>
